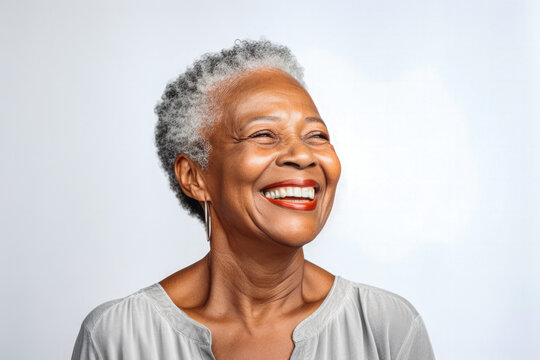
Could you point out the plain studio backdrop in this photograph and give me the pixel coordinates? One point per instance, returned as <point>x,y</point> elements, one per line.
<point>433,110</point>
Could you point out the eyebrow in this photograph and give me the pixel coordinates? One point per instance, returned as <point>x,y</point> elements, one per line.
<point>268,117</point>
<point>275,118</point>
<point>315,119</point>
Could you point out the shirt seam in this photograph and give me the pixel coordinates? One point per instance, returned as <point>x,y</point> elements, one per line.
<point>408,337</point>
<point>201,353</point>
<point>102,315</point>
<point>323,327</point>
<point>404,302</point>
<point>93,343</point>
<point>158,309</point>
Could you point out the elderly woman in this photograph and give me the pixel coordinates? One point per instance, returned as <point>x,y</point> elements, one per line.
<point>247,152</point>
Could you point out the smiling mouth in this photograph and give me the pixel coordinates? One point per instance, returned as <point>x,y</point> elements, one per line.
<point>293,194</point>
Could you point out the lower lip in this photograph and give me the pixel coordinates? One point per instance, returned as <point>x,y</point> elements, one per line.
<point>308,205</point>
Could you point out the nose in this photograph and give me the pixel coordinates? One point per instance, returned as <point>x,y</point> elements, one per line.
<point>297,154</point>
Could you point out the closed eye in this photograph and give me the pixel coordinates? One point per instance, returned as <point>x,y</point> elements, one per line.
<point>264,137</point>
<point>264,133</point>
<point>320,135</point>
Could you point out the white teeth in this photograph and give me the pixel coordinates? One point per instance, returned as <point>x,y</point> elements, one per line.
<point>291,191</point>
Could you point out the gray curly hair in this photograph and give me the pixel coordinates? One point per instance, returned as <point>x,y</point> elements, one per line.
<point>185,107</point>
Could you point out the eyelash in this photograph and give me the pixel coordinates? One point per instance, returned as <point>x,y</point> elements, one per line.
<point>321,135</point>
<point>270,134</point>
<point>261,133</point>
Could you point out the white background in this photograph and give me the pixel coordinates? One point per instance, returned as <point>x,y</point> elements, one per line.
<point>433,109</point>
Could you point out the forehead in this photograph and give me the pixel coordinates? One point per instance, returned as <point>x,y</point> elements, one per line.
<point>264,92</point>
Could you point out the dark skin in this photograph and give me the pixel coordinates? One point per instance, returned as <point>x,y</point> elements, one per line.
<point>254,286</point>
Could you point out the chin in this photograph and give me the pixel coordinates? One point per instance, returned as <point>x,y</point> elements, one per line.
<point>293,242</point>
<point>294,233</point>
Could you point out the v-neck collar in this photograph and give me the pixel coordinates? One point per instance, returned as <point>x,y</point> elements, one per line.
<point>196,331</point>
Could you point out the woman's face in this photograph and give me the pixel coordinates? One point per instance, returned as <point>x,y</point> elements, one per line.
<point>272,172</point>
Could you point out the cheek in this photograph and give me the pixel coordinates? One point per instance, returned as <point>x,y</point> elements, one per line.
<point>331,166</point>
<point>236,183</point>
<point>247,164</point>
<point>240,170</point>
<point>253,163</point>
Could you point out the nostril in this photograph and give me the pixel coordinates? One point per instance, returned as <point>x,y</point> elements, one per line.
<point>290,163</point>
<point>298,166</point>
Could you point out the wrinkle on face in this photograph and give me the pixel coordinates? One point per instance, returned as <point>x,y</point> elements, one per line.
<point>239,165</point>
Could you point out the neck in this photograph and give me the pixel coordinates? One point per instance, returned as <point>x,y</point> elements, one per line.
<point>252,278</point>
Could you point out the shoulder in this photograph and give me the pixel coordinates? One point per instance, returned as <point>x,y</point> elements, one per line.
<point>382,303</point>
<point>116,326</point>
<point>393,323</point>
<point>114,316</point>
<point>94,317</point>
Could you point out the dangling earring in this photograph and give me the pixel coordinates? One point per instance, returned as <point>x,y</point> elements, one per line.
<point>207,221</point>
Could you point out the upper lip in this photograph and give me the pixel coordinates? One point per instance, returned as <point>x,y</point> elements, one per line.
<point>294,182</point>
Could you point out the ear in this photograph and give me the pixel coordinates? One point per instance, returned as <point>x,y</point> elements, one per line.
<point>189,176</point>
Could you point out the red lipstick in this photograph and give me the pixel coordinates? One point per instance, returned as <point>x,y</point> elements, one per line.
<point>309,205</point>
<point>306,206</point>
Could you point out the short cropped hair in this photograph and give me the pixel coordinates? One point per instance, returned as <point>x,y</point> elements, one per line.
<point>184,110</point>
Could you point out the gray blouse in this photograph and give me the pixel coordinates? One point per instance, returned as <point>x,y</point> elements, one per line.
<point>355,321</point>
